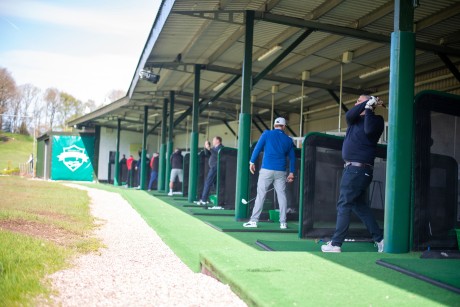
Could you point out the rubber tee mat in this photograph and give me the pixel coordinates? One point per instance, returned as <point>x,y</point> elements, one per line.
<point>444,273</point>
<point>233,226</point>
<point>202,211</point>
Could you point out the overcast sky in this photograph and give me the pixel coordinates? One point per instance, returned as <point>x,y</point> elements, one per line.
<point>86,48</point>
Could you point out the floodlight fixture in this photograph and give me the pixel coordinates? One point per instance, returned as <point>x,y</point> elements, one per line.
<point>149,76</point>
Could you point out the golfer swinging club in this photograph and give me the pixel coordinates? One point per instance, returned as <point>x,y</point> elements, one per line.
<point>277,147</point>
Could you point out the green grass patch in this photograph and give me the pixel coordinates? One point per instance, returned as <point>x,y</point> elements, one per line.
<point>14,149</point>
<point>24,262</point>
<point>45,202</point>
<point>42,224</point>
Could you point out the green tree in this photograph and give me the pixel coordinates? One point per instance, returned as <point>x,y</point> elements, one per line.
<point>69,108</point>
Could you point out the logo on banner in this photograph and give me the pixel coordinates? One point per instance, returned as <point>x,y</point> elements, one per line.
<point>73,157</point>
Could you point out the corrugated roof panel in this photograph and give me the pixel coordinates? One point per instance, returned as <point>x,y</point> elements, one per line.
<point>202,40</point>
<point>383,26</point>
<point>192,5</point>
<point>266,33</point>
<point>443,29</point>
<point>428,8</point>
<point>210,40</point>
<point>349,11</point>
<point>245,5</point>
<point>296,8</point>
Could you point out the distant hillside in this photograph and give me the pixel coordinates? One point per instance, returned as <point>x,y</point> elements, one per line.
<point>14,149</point>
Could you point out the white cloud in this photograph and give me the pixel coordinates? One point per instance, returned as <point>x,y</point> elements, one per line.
<point>97,52</point>
<point>83,77</point>
<point>122,21</point>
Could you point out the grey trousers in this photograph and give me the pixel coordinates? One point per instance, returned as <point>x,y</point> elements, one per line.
<point>266,178</point>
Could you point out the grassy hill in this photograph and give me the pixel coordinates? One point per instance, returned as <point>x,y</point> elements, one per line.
<point>14,149</point>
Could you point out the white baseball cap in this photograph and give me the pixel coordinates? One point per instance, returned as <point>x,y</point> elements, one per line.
<point>279,121</point>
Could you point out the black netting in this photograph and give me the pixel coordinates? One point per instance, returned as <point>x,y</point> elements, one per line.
<point>226,177</point>
<point>202,172</point>
<point>186,174</point>
<point>323,167</point>
<point>436,175</point>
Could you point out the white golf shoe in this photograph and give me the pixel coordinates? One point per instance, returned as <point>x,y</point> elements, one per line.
<point>250,224</point>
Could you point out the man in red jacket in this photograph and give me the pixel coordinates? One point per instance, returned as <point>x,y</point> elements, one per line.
<point>129,165</point>
<point>154,163</point>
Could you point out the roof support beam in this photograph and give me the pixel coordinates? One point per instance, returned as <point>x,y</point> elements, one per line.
<point>233,71</point>
<point>453,69</point>
<point>279,58</point>
<point>344,31</point>
<point>257,126</point>
<point>337,99</point>
<point>204,105</point>
<point>230,128</point>
<point>262,122</point>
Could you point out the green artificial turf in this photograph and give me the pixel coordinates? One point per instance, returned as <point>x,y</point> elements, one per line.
<point>445,271</point>
<point>283,278</point>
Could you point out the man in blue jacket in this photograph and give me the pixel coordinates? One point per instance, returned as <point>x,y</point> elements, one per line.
<point>277,147</point>
<point>358,152</point>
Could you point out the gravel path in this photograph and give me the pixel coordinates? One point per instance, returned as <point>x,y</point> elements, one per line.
<point>136,269</point>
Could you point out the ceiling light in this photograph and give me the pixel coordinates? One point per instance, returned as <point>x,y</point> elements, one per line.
<point>270,52</point>
<point>306,75</point>
<point>347,57</point>
<point>297,99</point>
<point>219,86</point>
<point>374,72</point>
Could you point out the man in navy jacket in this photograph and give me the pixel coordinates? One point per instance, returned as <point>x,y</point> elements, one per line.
<point>358,152</point>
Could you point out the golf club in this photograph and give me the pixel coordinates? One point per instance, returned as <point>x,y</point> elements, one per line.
<point>245,202</point>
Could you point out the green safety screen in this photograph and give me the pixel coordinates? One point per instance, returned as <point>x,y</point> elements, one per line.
<point>72,157</point>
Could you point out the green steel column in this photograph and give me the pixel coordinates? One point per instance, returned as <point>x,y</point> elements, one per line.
<point>117,155</point>
<point>144,149</point>
<point>400,134</point>
<point>170,139</point>
<point>162,166</point>
<point>244,128</point>
<point>193,170</point>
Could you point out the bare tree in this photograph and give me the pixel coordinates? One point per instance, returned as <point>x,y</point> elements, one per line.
<point>29,96</point>
<point>7,91</point>
<point>52,105</point>
<point>114,95</point>
<point>38,110</point>
<point>89,106</point>
<point>14,109</point>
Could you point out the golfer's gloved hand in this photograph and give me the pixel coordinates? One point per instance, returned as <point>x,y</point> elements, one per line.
<point>371,103</point>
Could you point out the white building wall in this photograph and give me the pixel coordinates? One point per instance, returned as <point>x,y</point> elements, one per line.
<point>108,142</point>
